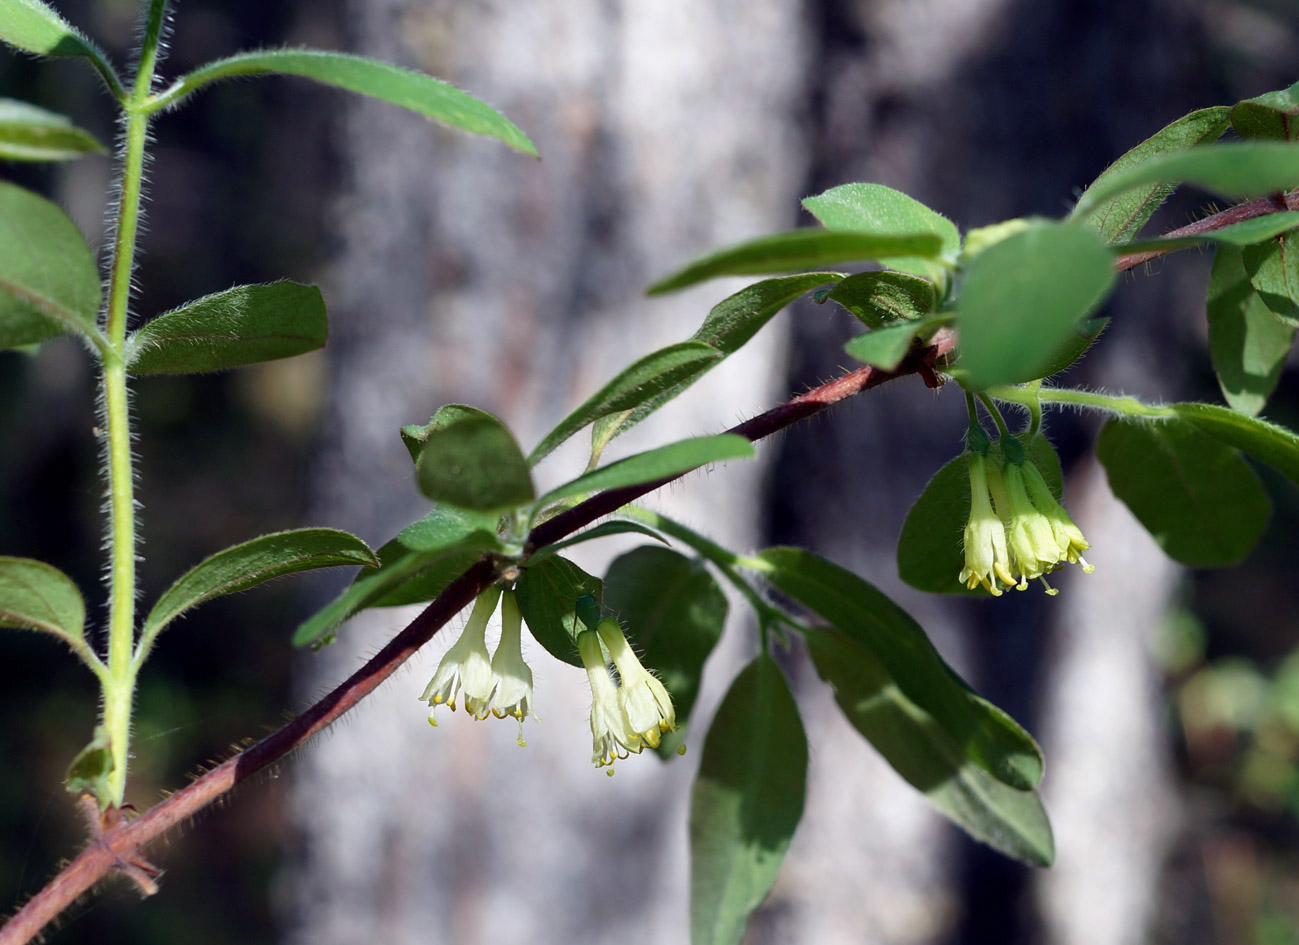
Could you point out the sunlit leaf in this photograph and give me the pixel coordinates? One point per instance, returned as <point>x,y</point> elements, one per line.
<point>33,26</point>
<point>38,596</point>
<point>874,208</point>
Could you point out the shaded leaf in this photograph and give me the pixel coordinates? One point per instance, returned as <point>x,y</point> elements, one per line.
<point>874,208</point>
<point>673,612</point>
<point>547,594</point>
<point>1272,115</point>
<point>88,773</point>
<point>1235,169</point>
<point>1273,269</point>
<point>746,803</point>
<point>926,756</point>
<point>1247,342</point>
<point>38,596</point>
<point>473,462</point>
<point>1267,442</point>
<point>29,133</point>
<point>979,730</point>
<point>799,249</point>
<point>415,91</point>
<point>1120,216</point>
<point>243,325</point>
<point>1023,299</point>
<point>663,462</point>
<point>1198,498</point>
<point>415,435</point>
<point>880,298</point>
<point>671,368</point>
<point>49,283</point>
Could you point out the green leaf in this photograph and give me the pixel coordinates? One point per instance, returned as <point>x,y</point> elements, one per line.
<point>49,283</point>
<point>926,755</point>
<point>470,460</point>
<point>88,773</point>
<point>1272,115</point>
<point>730,325</point>
<point>1267,442</point>
<point>982,732</point>
<point>1237,169</point>
<point>1244,233</point>
<point>29,133</point>
<point>1247,342</point>
<point>243,325</point>
<point>676,366</point>
<point>881,298</point>
<point>746,803</point>
<point>874,208</point>
<point>1198,498</point>
<point>673,612</point>
<point>1273,269</point>
<point>1121,215</point>
<point>664,462</point>
<point>930,552</point>
<point>38,596</point>
<point>1023,298</point>
<point>799,249</point>
<point>415,91</point>
<point>251,563</point>
<point>34,27</point>
<point>885,348</point>
<point>415,435</point>
<point>547,594</point>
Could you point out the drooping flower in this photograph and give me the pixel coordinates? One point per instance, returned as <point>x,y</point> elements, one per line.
<point>1068,536</point>
<point>511,675</point>
<point>987,560</point>
<point>645,702</point>
<point>611,733</point>
<point>466,665</point>
<point>1033,547</point>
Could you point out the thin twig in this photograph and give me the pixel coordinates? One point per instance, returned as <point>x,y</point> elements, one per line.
<point>1274,203</point>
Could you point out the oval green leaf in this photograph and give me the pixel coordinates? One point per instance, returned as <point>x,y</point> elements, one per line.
<point>799,249</point>
<point>879,299</point>
<point>547,593</point>
<point>982,732</point>
<point>1023,299</point>
<point>1198,498</point>
<point>673,612</point>
<point>423,94</point>
<point>470,460</point>
<point>924,753</point>
<point>746,803</point>
<point>1121,216</point>
<point>49,283</point>
<point>874,208</point>
<point>1248,344</point>
<point>674,459</point>
<point>29,133</point>
<point>1238,170</point>
<point>251,563</point>
<point>38,596</point>
<point>243,325</point>
<point>1273,269</point>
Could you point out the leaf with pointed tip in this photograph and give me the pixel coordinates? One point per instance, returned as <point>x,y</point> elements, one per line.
<point>1273,269</point>
<point>1198,498</point>
<point>423,94</point>
<point>874,208</point>
<point>34,27</point>
<point>1272,115</point>
<point>1236,169</point>
<point>1247,342</point>
<point>251,563</point>
<point>746,804</point>
<point>799,249</point>
<point>673,612</point>
<point>49,283</point>
<point>664,462</point>
<point>30,133</point>
<point>547,593</point>
<point>926,755</point>
<point>1023,300</point>
<point>676,366</point>
<point>38,596</point>
<point>243,325</point>
<point>1121,216</point>
<point>472,461</point>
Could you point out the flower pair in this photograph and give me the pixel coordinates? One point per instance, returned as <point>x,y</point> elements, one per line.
<point>499,685</point>
<point>631,715</point>
<point>1025,537</point>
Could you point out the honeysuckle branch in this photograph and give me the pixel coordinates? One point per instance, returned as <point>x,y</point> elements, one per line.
<point>117,844</point>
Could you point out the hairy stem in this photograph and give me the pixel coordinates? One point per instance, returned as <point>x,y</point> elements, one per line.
<point>1110,403</point>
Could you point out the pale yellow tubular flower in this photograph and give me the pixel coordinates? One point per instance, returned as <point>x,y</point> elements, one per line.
<point>611,735</point>
<point>512,677</point>
<point>645,702</point>
<point>466,665</point>
<point>987,560</point>
<point>1067,534</point>
<point>1033,547</point>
